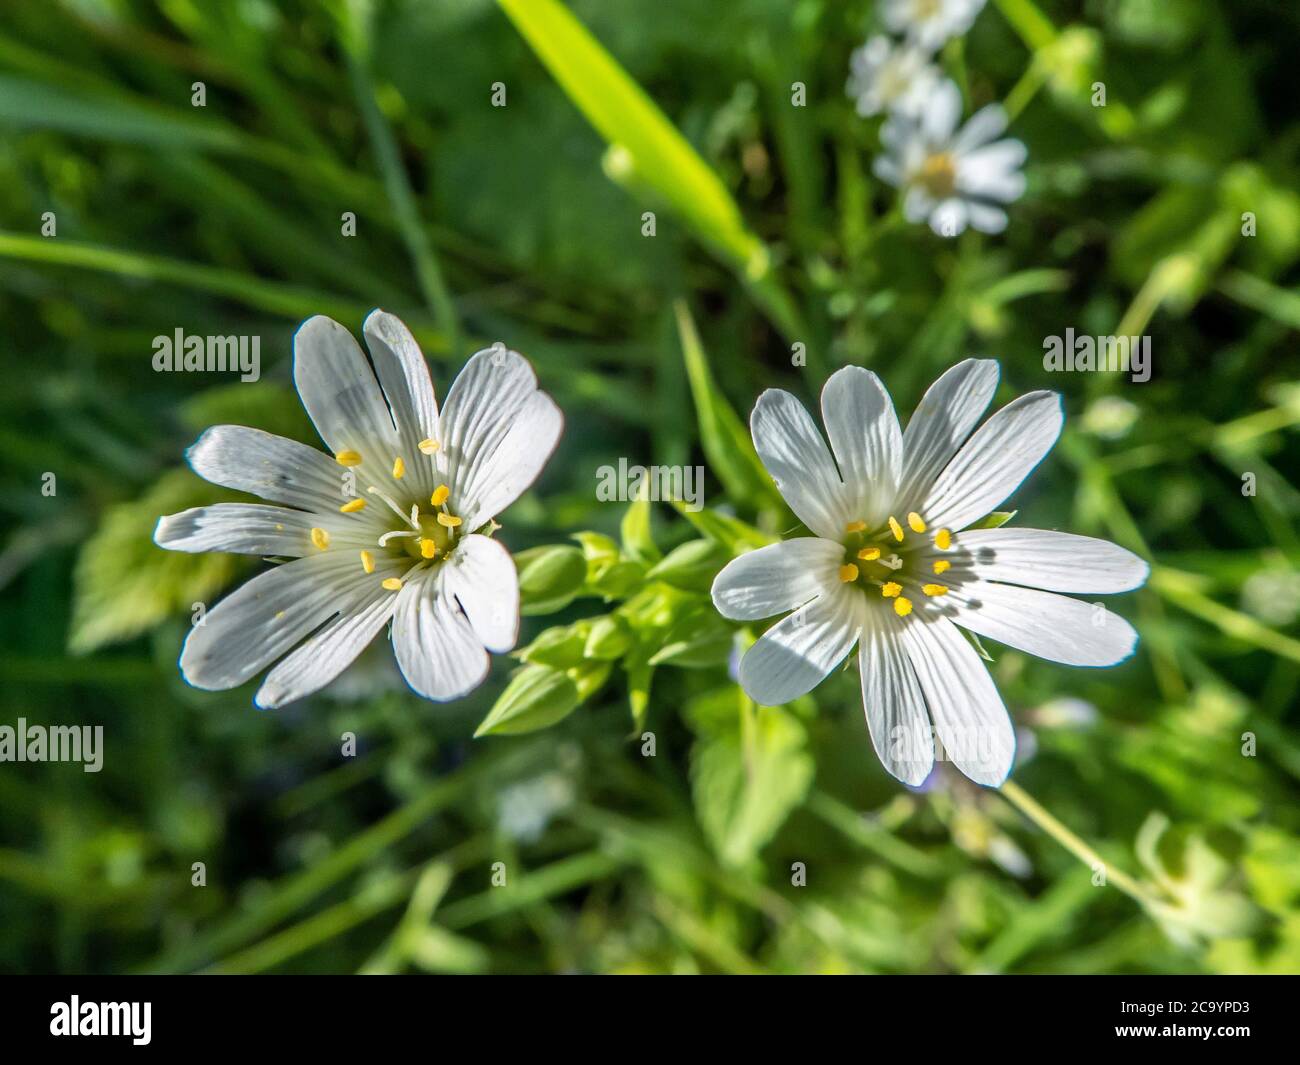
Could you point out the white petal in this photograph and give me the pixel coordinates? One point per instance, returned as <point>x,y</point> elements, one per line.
<point>1053,561</point>
<point>985,218</point>
<point>240,528</point>
<point>993,462</point>
<point>327,654</point>
<point>408,390</point>
<point>792,449</point>
<point>941,114</point>
<point>339,390</point>
<point>481,576</point>
<point>865,438</point>
<point>776,578</point>
<point>970,718</point>
<point>498,478</point>
<point>895,705</point>
<point>917,204</point>
<point>436,649</point>
<point>950,217</point>
<point>984,125</point>
<point>797,653</point>
<point>283,471</point>
<point>945,417</point>
<point>269,615</point>
<point>495,392</point>
<point>1045,624</point>
<point>993,172</point>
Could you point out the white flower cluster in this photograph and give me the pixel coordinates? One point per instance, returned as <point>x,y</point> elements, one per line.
<point>950,177</point>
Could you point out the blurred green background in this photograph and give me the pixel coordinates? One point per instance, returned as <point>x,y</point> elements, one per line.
<point>522,223</point>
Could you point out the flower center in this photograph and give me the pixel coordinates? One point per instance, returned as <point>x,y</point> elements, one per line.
<point>882,561</point>
<point>938,175</point>
<point>924,10</point>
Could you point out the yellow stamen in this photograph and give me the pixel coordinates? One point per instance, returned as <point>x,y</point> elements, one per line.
<point>348,458</point>
<point>934,589</point>
<point>942,566</point>
<point>367,562</point>
<point>440,495</point>
<point>895,528</point>
<point>352,506</point>
<point>869,554</point>
<point>399,468</point>
<point>848,572</point>
<point>943,539</point>
<point>320,538</point>
<point>855,526</point>
<point>449,521</point>
<point>392,583</point>
<point>902,606</point>
<point>428,549</point>
<point>428,446</point>
<point>891,589</point>
<point>915,522</point>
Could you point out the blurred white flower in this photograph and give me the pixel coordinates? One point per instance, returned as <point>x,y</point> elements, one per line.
<point>929,23</point>
<point>1110,417</point>
<point>1273,595</point>
<point>895,564</point>
<point>525,809</point>
<point>884,76</point>
<point>952,177</point>
<point>386,530</point>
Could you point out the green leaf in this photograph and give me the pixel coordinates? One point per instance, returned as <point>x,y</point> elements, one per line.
<point>609,638</point>
<point>124,583</point>
<point>549,577</point>
<point>638,539</point>
<point>692,566</point>
<point>994,520</point>
<point>748,777</point>
<point>701,638</point>
<point>735,535</point>
<point>645,146</point>
<point>560,647</point>
<point>723,436</point>
<point>535,698</point>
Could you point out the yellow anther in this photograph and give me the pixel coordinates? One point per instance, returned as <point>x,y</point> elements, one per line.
<point>848,572</point>
<point>902,606</point>
<point>348,458</point>
<point>934,589</point>
<point>869,554</point>
<point>449,521</point>
<point>392,583</point>
<point>320,538</point>
<point>943,539</point>
<point>428,445</point>
<point>942,566</point>
<point>353,505</point>
<point>440,495</point>
<point>855,526</point>
<point>367,562</point>
<point>895,528</point>
<point>891,589</point>
<point>399,468</point>
<point>915,523</point>
<point>428,549</point>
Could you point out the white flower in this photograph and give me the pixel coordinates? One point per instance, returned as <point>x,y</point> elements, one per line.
<point>388,530</point>
<point>889,568</point>
<point>952,177</point>
<point>929,23</point>
<point>888,77</point>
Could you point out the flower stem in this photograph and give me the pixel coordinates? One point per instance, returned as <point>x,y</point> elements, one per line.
<point>1033,810</point>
